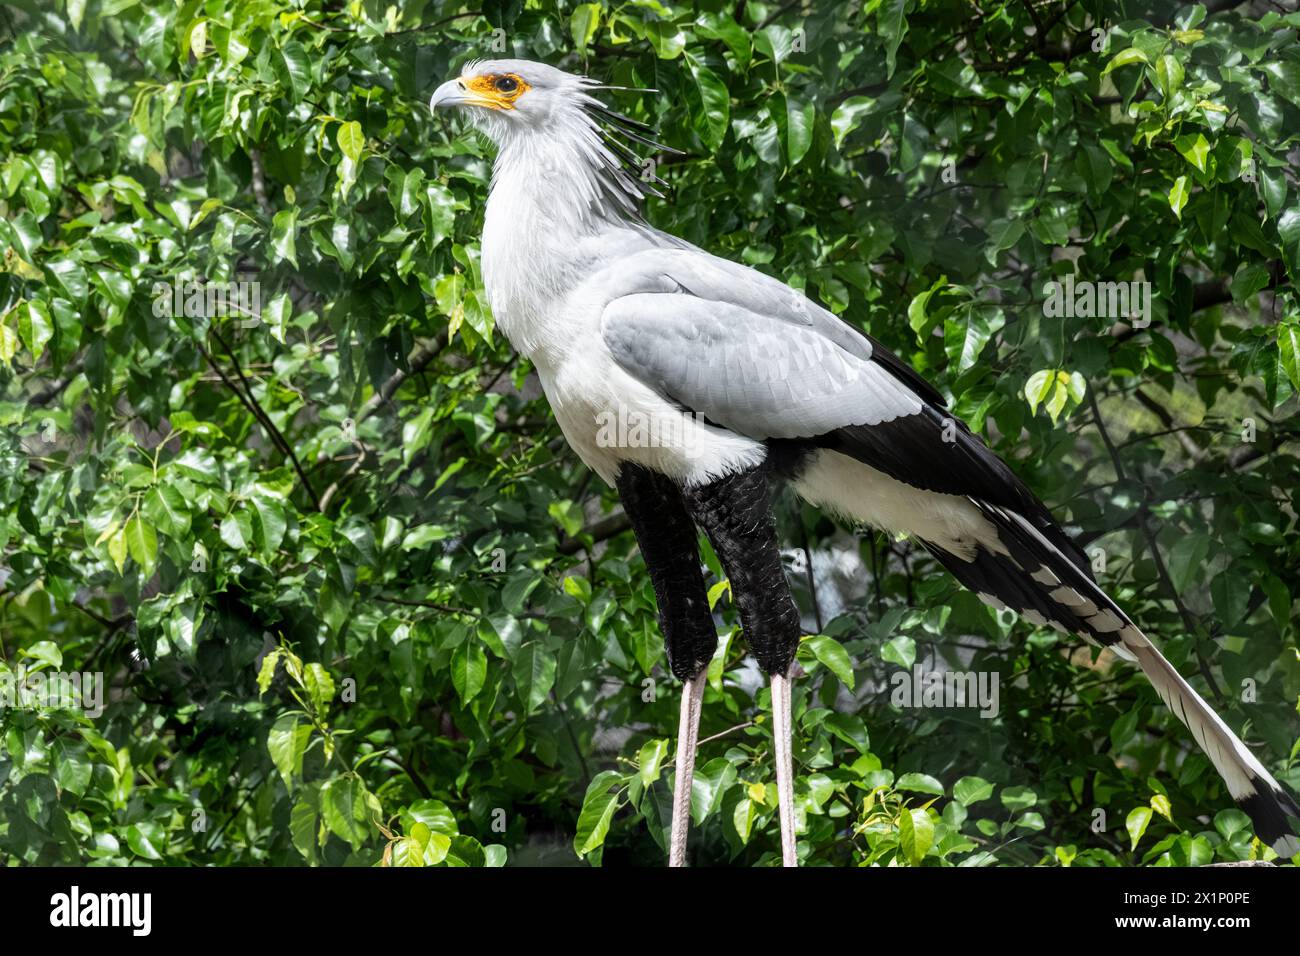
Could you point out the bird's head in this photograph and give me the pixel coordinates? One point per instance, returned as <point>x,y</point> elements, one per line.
<point>540,110</point>
<point>510,98</point>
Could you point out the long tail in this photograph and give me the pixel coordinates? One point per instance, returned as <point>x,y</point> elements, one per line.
<point>1024,570</point>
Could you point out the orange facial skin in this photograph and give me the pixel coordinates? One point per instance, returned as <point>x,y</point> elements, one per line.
<point>490,93</point>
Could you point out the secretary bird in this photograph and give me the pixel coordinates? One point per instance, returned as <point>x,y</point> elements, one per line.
<point>758,385</point>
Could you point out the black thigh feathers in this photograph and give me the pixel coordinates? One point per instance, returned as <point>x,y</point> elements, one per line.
<point>670,545</point>
<point>735,511</point>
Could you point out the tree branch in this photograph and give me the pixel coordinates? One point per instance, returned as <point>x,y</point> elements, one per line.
<point>599,531</point>
<point>417,362</point>
<point>249,402</point>
<point>1189,619</point>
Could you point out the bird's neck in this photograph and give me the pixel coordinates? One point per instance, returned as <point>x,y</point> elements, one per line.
<point>567,179</point>
<point>554,210</point>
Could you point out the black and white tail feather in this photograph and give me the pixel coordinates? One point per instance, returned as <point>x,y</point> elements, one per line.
<point>1050,586</point>
<point>1024,560</point>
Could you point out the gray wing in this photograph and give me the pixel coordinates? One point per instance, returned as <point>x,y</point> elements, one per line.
<point>753,355</point>
<point>745,350</point>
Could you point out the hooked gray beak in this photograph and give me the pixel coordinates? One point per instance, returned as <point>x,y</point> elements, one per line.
<point>451,93</point>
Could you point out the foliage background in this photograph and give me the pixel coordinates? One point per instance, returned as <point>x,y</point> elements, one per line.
<point>464,665</point>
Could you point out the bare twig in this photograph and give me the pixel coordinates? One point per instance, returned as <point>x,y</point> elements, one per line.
<point>416,362</point>
<point>1159,411</point>
<point>1189,619</point>
<point>259,181</point>
<point>245,395</point>
<point>729,730</point>
<point>55,388</point>
<point>599,531</point>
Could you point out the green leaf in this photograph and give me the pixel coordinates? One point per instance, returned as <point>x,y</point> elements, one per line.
<point>851,729</point>
<point>915,835</point>
<point>1060,395</point>
<point>468,670</point>
<point>142,543</point>
<point>743,818</point>
<point>294,67</point>
<point>800,117</point>
<point>1194,148</point>
<point>667,38</point>
<point>73,771</point>
<point>598,807</point>
<point>832,653</point>
<point>969,330</point>
<point>1230,592</point>
<point>568,515</point>
<point>1187,559</point>
<point>266,673</point>
<point>1003,235</point>
<point>1076,386</point>
<point>35,327</point>
<point>437,849</point>
<point>1039,386</point>
<point>302,828</point>
<point>583,24</point>
<point>1288,227</point>
<point>650,759</point>
<point>1169,75</point>
<point>1096,166</point>
<point>346,807</point>
<point>146,839</point>
<point>514,595</point>
<point>577,587</point>
<point>1227,822</point>
<point>970,790</point>
<point>117,549</point>
<point>351,140</point>
<point>434,814</point>
<point>1123,729</point>
<point>1178,196</point>
<point>1249,280</point>
<point>891,23</point>
<point>9,341</point>
<point>166,507</point>
<point>271,522</point>
<point>1283,78</point>
<point>710,784</point>
<point>1018,798</point>
<point>407,851</point>
<point>917,315</point>
<point>284,235</point>
<point>1125,58</point>
<point>899,649</point>
<point>714,118</point>
<point>919,783</point>
<point>1136,824</point>
<point>1160,804</point>
<point>534,670</point>
<point>287,742</point>
<point>236,530</point>
<point>1279,597</point>
<point>46,652</point>
<point>320,687</point>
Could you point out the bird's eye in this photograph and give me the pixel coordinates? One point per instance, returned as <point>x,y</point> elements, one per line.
<point>506,84</point>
